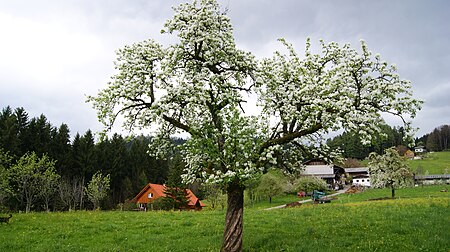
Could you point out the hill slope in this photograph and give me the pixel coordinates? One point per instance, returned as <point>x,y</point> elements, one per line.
<point>434,163</point>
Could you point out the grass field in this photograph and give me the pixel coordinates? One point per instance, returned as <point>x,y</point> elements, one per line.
<point>419,192</point>
<point>418,221</point>
<point>434,163</point>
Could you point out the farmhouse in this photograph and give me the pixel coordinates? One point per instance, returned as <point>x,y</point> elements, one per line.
<point>419,149</point>
<point>360,175</point>
<point>151,192</point>
<point>332,174</point>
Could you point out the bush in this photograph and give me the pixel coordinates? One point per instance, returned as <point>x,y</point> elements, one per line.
<point>309,184</point>
<point>271,185</point>
<point>161,204</point>
<point>127,206</point>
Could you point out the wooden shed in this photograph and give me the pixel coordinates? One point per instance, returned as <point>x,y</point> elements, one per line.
<point>330,173</point>
<point>151,192</point>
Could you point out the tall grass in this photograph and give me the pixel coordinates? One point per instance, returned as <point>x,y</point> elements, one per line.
<point>359,226</point>
<point>113,231</point>
<point>418,221</point>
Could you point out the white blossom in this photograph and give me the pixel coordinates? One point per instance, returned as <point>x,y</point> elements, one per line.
<point>200,85</point>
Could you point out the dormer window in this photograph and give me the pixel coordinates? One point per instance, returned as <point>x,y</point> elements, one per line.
<point>150,195</point>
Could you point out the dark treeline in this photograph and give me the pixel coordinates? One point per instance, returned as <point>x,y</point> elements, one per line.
<point>126,160</point>
<point>350,144</point>
<point>437,140</point>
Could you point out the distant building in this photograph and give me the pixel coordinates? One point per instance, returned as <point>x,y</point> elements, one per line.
<point>151,192</point>
<point>360,175</point>
<point>419,149</point>
<point>332,174</point>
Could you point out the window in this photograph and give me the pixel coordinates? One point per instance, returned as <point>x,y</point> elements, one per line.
<point>362,180</point>
<point>368,180</point>
<point>150,195</point>
<point>357,180</point>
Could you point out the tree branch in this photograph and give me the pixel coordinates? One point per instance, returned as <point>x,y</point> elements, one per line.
<point>178,124</point>
<point>286,138</point>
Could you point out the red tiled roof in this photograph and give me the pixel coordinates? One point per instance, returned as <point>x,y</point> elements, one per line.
<point>158,191</point>
<point>193,199</point>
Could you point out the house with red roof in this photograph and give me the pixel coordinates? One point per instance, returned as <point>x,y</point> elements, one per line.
<point>151,192</point>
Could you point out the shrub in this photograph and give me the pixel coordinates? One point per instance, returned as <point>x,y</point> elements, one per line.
<point>126,206</point>
<point>271,185</point>
<point>161,204</point>
<point>309,184</point>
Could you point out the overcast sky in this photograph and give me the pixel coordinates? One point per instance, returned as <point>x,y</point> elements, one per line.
<point>53,53</point>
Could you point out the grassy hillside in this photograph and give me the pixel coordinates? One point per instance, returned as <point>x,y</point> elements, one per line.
<point>349,224</point>
<point>434,163</point>
<point>419,192</point>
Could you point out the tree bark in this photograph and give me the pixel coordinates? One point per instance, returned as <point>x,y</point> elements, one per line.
<point>232,237</point>
<point>393,192</point>
<point>28,206</point>
<point>81,193</point>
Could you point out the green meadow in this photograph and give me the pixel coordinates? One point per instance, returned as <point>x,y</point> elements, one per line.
<point>418,192</point>
<point>417,221</point>
<point>434,163</point>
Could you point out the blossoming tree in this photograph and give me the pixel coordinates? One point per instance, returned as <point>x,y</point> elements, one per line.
<point>201,86</point>
<point>389,170</point>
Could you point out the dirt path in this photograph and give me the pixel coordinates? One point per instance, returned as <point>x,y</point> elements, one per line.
<point>308,200</point>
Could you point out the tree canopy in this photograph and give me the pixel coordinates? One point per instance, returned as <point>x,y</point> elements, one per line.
<point>438,139</point>
<point>201,86</point>
<point>351,146</point>
<point>389,170</point>
<point>97,189</point>
<point>126,159</point>
<point>271,185</point>
<point>33,177</point>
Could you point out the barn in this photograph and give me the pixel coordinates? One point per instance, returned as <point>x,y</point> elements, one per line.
<point>332,174</point>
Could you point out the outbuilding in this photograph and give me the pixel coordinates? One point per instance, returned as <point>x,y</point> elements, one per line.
<point>332,174</point>
<point>360,175</point>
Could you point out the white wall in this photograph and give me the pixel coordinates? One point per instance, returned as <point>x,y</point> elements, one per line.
<point>361,181</point>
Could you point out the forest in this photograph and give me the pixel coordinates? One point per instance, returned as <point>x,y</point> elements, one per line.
<point>349,143</point>
<point>77,159</point>
<point>126,159</point>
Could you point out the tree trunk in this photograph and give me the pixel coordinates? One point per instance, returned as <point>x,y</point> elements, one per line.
<point>232,237</point>
<point>47,208</point>
<point>81,193</point>
<point>29,200</point>
<point>393,192</point>
<point>28,206</point>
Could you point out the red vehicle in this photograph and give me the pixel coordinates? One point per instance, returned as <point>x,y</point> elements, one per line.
<point>301,194</point>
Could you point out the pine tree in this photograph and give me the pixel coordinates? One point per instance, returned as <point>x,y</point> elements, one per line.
<point>9,131</point>
<point>61,149</point>
<point>176,193</point>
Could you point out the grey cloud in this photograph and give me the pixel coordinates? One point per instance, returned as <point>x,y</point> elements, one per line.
<point>411,33</point>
